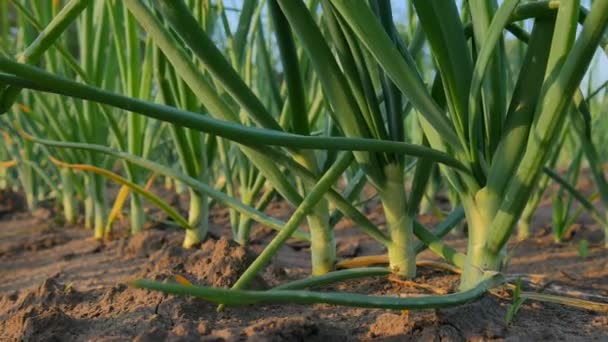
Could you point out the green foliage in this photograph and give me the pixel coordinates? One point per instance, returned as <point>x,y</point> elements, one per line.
<point>310,102</point>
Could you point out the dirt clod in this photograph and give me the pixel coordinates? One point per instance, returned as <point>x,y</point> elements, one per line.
<point>467,319</point>
<point>11,202</point>
<point>217,263</point>
<point>203,328</point>
<point>50,292</point>
<point>42,214</point>
<point>224,266</point>
<point>39,324</point>
<point>185,331</point>
<point>146,243</point>
<point>388,324</point>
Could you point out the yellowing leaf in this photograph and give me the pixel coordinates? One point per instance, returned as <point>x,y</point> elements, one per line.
<point>24,108</point>
<point>7,164</point>
<point>123,193</point>
<point>182,280</point>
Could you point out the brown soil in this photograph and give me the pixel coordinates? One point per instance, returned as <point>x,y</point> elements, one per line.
<point>57,284</point>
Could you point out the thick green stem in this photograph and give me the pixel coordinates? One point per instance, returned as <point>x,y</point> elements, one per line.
<point>100,213</point>
<point>307,205</point>
<point>100,206</point>
<point>246,222</point>
<point>241,222</point>
<point>26,175</point>
<point>523,227</point>
<point>198,218</point>
<point>69,203</point>
<point>30,199</point>
<point>243,230</point>
<point>3,178</point>
<point>89,202</point>
<point>402,259</point>
<point>180,187</point>
<point>427,201</point>
<point>401,253</point>
<point>137,214</point>
<point>479,258</point>
<point>168,183</point>
<point>322,240</point>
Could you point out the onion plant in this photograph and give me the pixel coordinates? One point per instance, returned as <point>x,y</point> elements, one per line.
<point>338,76</point>
<point>235,132</point>
<point>503,165</point>
<point>562,202</point>
<point>183,22</point>
<point>192,157</point>
<point>134,82</point>
<point>323,258</point>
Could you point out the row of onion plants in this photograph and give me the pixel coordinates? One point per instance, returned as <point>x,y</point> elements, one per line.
<point>299,95</point>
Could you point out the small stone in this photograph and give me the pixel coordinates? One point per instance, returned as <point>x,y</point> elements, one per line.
<point>184,329</point>
<point>41,214</point>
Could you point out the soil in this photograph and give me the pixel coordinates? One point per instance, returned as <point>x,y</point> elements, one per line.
<point>57,284</point>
